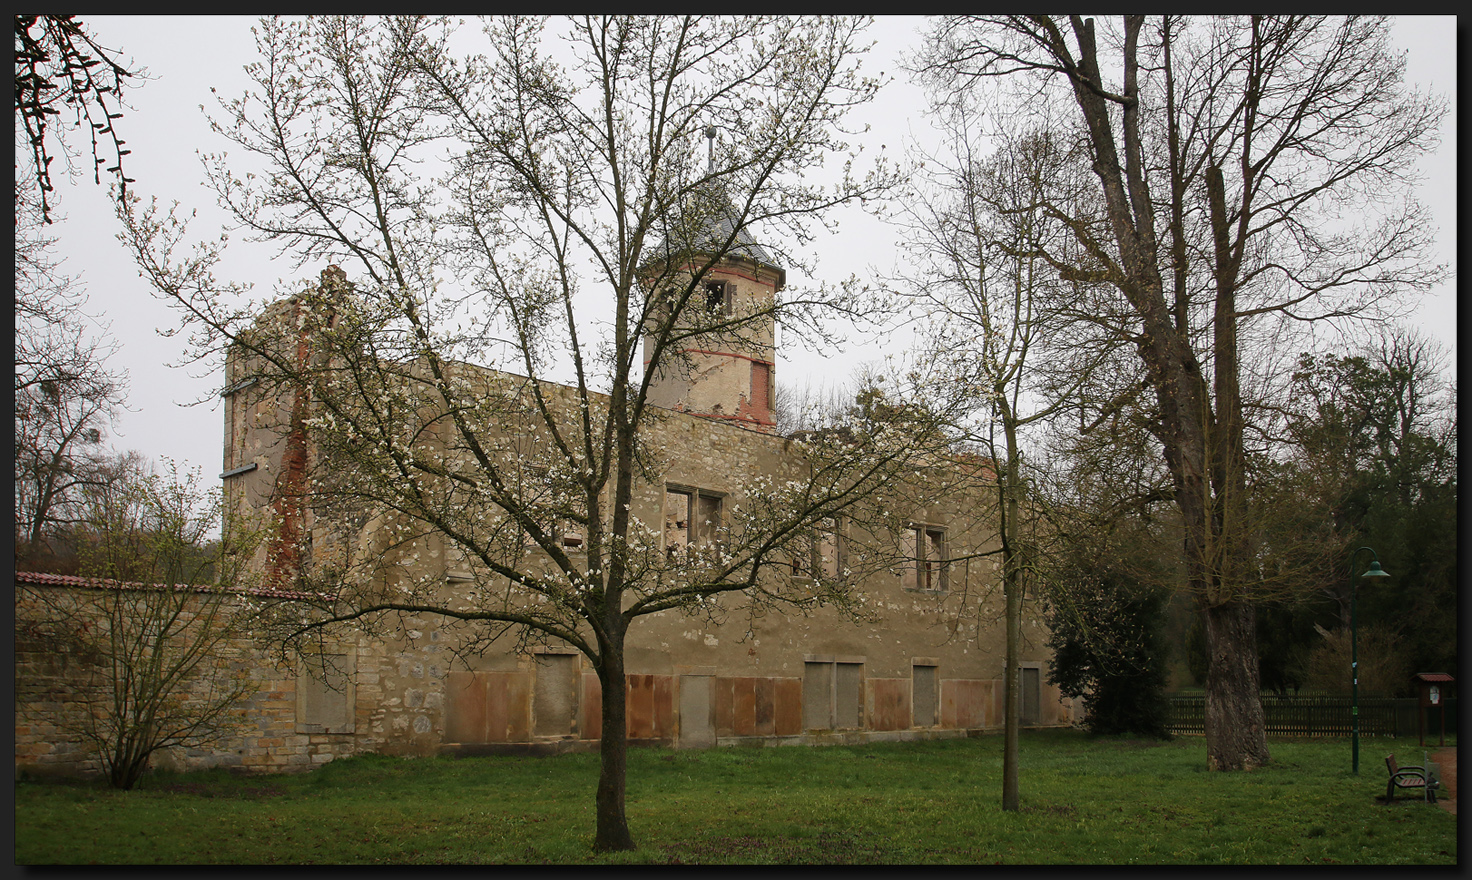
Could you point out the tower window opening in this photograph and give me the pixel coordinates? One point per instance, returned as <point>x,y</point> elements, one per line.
<point>718,296</point>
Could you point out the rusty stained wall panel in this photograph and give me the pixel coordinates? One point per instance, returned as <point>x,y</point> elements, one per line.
<point>889,704</point>
<point>969,703</point>
<point>745,710</point>
<point>590,707</point>
<point>465,708</point>
<point>664,706</point>
<point>764,692</point>
<point>649,707</point>
<point>639,706</point>
<point>724,694</point>
<point>788,719</point>
<point>758,706</point>
<point>488,707</point>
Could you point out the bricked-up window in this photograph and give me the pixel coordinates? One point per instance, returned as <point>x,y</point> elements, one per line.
<point>925,547</point>
<point>691,517</point>
<point>925,693</point>
<point>325,694</point>
<point>761,386</point>
<point>832,693</point>
<point>1031,687</point>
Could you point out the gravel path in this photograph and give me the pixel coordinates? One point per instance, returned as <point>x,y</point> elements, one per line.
<point>1447,797</point>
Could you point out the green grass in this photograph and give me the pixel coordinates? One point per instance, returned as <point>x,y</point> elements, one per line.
<point>1084,801</point>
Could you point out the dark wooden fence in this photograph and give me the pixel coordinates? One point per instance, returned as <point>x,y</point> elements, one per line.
<point>1319,715</point>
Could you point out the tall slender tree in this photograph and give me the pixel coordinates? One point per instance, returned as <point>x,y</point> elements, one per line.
<point>976,234</point>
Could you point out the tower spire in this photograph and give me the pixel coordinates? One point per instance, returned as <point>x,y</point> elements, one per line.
<point>710,142</point>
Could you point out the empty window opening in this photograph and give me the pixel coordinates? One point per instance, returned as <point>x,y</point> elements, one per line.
<point>925,548</point>
<point>818,553</point>
<point>718,296</point>
<point>691,517</point>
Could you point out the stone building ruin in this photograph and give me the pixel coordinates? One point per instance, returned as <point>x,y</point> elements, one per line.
<point>932,666</point>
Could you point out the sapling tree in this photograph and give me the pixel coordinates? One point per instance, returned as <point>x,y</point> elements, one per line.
<point>977,233</point>
<point>151,621</point>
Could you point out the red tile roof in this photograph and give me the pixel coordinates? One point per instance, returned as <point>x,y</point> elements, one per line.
<point>46,579</point>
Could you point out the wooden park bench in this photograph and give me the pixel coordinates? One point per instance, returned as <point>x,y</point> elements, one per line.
<point>1422,779</point>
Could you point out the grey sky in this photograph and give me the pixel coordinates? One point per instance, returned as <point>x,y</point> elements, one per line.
<point>188,56</point>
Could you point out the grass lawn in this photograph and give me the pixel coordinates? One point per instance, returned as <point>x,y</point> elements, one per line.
<point>1084,801</point>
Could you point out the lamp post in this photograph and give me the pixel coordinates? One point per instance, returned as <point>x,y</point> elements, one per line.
<point>1354,657</point>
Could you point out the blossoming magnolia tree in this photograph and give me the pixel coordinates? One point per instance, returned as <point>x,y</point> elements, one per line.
<point>579,211</point>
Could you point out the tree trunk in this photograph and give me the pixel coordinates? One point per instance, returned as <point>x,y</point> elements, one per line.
<point>1012,589</point>
<point>1013,707</point>
<point>1201,454</point>
<point>1235,725</point>
<point>613,824</point>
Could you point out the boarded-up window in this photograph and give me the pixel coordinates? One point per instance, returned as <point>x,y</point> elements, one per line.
<point>325,693</point>
<point>1031,694</point>
<point>555,697</point>
<point>925,695</point>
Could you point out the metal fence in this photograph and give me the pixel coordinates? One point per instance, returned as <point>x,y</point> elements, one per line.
<point>1320,715</point>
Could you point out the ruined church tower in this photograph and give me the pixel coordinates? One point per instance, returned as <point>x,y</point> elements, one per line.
<point>728,373</point>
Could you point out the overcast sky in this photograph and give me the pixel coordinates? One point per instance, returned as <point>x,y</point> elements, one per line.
<point>187,56</point>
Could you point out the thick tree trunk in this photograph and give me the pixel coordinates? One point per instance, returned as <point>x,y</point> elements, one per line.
<point>613,824</point>
<point>1235,726</point>
<point>1202,450</point>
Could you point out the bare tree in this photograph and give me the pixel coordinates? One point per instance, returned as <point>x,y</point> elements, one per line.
<point>1227,152</point>
<point>150,620</point>
<point>582,208</point>
<point>66,395</point>
<point>979,239</point>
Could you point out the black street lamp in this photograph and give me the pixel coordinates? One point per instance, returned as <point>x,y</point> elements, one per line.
<point>1354,657</point>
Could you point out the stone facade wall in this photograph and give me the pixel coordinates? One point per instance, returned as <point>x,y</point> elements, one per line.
<point>55,683</point>
<point>408,698</point>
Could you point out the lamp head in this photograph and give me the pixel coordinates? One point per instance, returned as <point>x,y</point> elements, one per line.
<point>1375,571</point>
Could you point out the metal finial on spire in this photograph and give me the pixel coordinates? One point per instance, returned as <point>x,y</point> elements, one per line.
<point>710,137</point>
